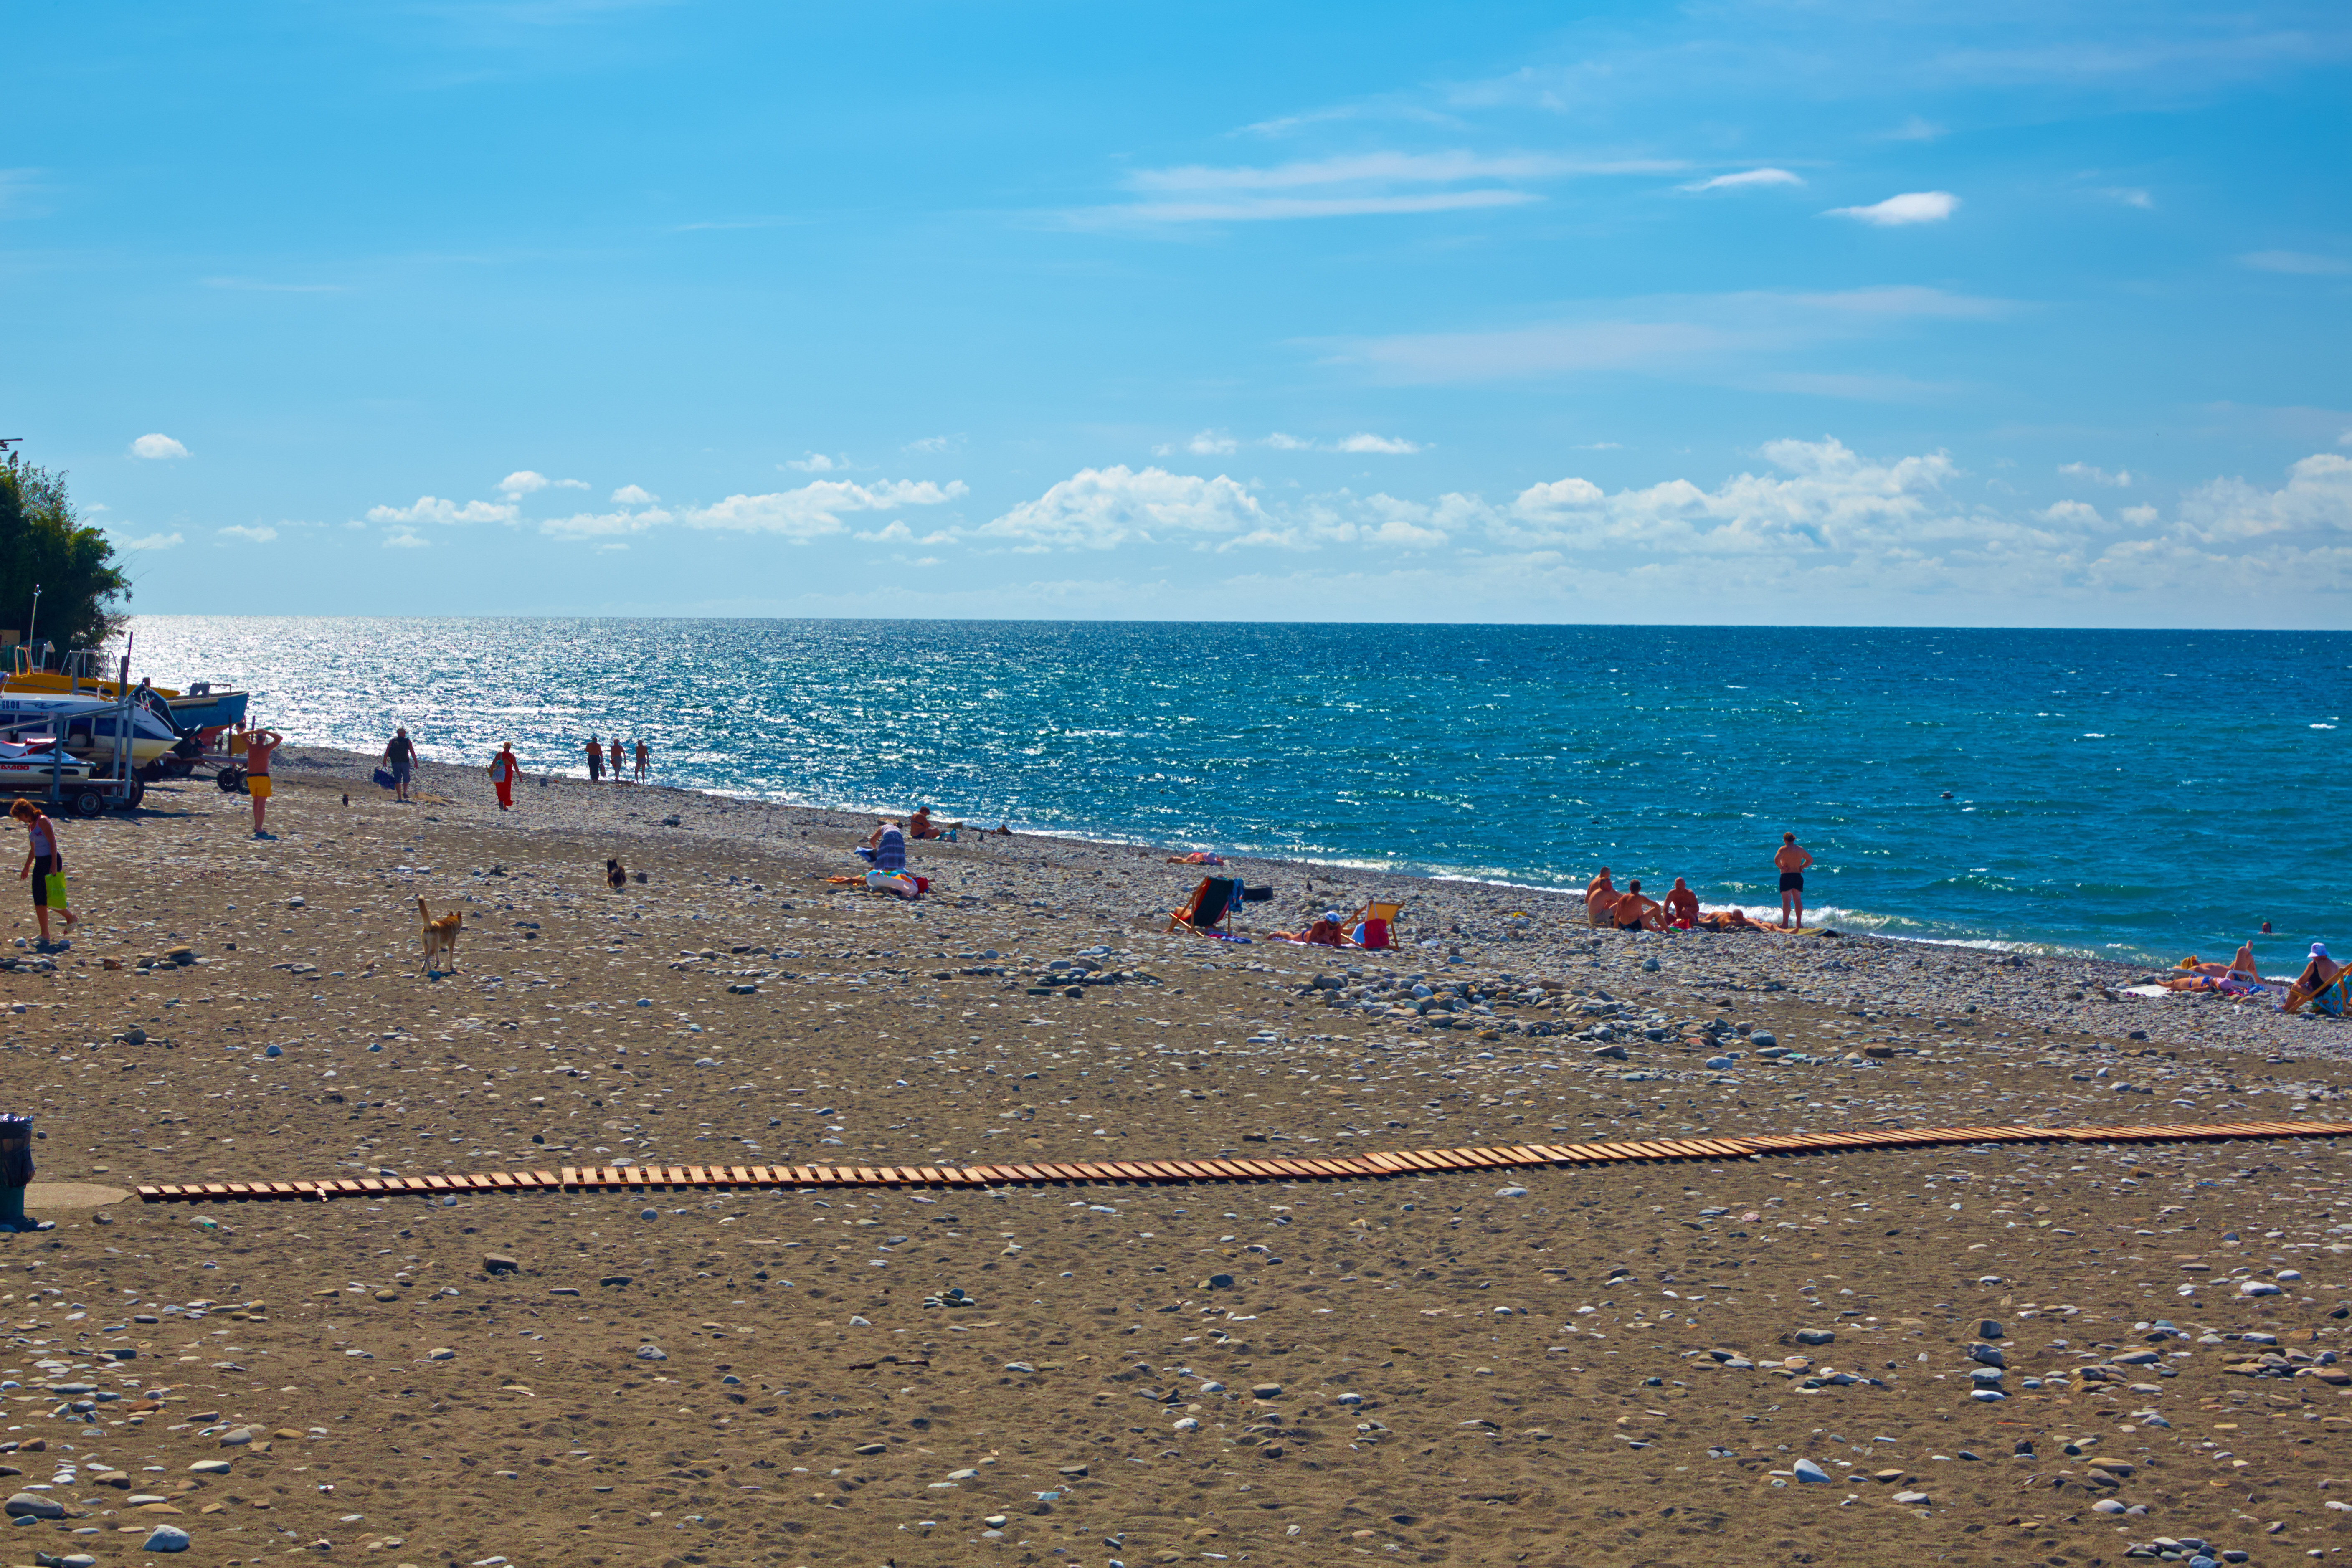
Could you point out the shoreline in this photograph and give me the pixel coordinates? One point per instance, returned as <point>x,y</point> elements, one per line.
<point>1471,919</point>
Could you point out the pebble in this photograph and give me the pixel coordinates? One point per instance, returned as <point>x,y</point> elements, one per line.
<point>165,1538</point>
<point>209,1467</point>
<point>2107,1505</point>
<point>33,1505</point>
<point>1918,1499</point>
<point>652,1352</point>
<point>1815,1337</point>
<point>1807,1470</point>
<point>1510,1192</point>
<point>2257,1287</point>
<point>499,1263</point>
<point>1188,1425</point>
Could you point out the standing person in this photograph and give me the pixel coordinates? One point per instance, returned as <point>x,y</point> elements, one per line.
<point>260,746</point>
<point>42,861</point>
<point>616,758</point>
<point>644,760</point>
<point>1792,861</point>
<point>400,756</point>
<point>595,759</point>
<point>503,771</point>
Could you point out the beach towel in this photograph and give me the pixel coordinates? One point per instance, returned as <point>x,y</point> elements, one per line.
<point>2335,998</point>
<point>383,778</point>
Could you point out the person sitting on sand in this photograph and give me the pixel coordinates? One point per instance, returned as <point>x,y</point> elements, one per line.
<point>1326,932</point>
<point>1682,905</point>
<point>920,825</point>
<point>1631,912</point>
<point>886,849</point>
<point>1600,898</point>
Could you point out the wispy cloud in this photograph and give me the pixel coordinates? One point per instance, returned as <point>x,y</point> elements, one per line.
<point>1910,207</point>
<point>1356,185</point>
<point>812,511</point>
<point>2302,262</point>
<point>157,447</point>
<point>1915,129</point>
<point>1218,444</point>
<point>263,286</point>
<point>1746,179</point>
<point>2097,475</point>
<point>406,539</point>
<point>1715,331</point>
<point>934,445</point>
<point>258,534</point>
<point>816,463</point>
<point>2130,196</point>
<point>151,542</point>
<point>1386,445</point>
<point>634,495</point>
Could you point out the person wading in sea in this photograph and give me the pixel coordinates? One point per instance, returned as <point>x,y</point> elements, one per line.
<point>1792,861</point>
<point>260,746</point>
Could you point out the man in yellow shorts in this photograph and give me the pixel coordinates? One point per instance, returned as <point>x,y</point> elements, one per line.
<point>260,745</point>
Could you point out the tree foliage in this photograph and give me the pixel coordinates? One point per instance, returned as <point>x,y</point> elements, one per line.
<point>42,541</point>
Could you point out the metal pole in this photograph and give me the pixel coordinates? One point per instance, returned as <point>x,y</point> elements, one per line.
<point>32,620</point>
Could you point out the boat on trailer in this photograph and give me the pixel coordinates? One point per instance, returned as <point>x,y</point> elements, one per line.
<point>84,671</point>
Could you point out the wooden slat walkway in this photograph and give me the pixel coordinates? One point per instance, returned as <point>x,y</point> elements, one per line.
<point>1294,1168</point>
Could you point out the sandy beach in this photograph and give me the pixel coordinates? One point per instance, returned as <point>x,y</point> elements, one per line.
<point>1638,1364</point>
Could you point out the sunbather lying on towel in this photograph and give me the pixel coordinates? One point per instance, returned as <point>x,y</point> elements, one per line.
<point>1325,932</point>
<point>1726,920</point>
<point>1197,857</point>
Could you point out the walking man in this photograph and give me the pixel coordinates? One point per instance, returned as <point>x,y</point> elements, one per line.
<point>616,758</point>
<point>400,756</point>
<point>503,769</point>
<point>595,759</point>
<point>1792,861</point>
<point>260,746</point>
<point>644,760</point>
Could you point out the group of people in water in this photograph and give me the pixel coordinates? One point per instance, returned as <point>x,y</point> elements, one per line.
<point>618,753</point>
<point>1630,909</point>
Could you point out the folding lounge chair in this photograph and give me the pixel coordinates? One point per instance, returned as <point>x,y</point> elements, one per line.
<point>1378,923</point>
<point>1210,906</point>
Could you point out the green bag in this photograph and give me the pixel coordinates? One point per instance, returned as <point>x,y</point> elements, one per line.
<point>57,891</point>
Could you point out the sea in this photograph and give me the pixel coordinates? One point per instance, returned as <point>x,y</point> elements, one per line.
<point>2135,794</point>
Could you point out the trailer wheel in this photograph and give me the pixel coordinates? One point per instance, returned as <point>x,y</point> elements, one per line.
<point>231,779</point>
<point>88,803</point>
<point>138,793</point>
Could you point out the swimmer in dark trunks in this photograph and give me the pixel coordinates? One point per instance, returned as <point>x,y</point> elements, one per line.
<point>1792,861</point>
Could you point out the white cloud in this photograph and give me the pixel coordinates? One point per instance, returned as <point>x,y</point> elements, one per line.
<point>934,444</point>
<point>1830,499</point>
<point>157,447</point>
<point>1746,179</point>
<point>1261,209</point>
<point>1389,445</point>
<point>2300,262</point>
<point>634,495</point>
<point>812,511</point>
<point>816,463</point>
<point>524,481</point>
<point>433,509</point>
<point>1096,509</point>
<point>259,535</point>
<point>2314,503</point>
<point>1211,444</point>
<point>1911,206</point>
<point>2130,196</point>
<point>1915,130</point>
<point>2121,479</point>
<point>406,539</point>
<point>2080,512</point>
<point>151,542</point>
<point>2137,516</point>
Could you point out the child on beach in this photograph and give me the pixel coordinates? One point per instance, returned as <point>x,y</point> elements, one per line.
<point>45,866</point>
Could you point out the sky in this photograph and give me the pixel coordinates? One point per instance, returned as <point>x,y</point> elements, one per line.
<point>1812,313</point>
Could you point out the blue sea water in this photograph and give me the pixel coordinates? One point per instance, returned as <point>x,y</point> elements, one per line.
<point>2139,794</point>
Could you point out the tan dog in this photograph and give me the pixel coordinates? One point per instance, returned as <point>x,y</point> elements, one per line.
<point>440,937</point>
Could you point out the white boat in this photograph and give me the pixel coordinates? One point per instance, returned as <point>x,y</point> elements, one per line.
<point>89,725</point>
<point>31,769</point>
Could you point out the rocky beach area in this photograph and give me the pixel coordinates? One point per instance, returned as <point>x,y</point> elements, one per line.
<point>2051,1353</point>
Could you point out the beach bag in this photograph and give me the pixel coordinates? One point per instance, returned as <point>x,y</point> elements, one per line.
<point>1372,935</point>
<point>384,779</point>
<point>57,891</point>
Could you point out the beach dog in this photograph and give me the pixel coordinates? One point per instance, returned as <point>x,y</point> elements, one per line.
<point>440,937</point>
<point>614,876</point>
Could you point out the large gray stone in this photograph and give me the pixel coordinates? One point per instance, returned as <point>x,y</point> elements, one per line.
<point>34,1505</point>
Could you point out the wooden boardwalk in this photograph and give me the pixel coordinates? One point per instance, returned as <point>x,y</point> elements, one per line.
<point>1293,1168</point>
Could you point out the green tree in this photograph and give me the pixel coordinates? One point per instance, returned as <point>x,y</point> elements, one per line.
<point>43,541</point>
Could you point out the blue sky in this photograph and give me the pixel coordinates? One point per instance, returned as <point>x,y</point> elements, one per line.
<point>1734,312</point>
